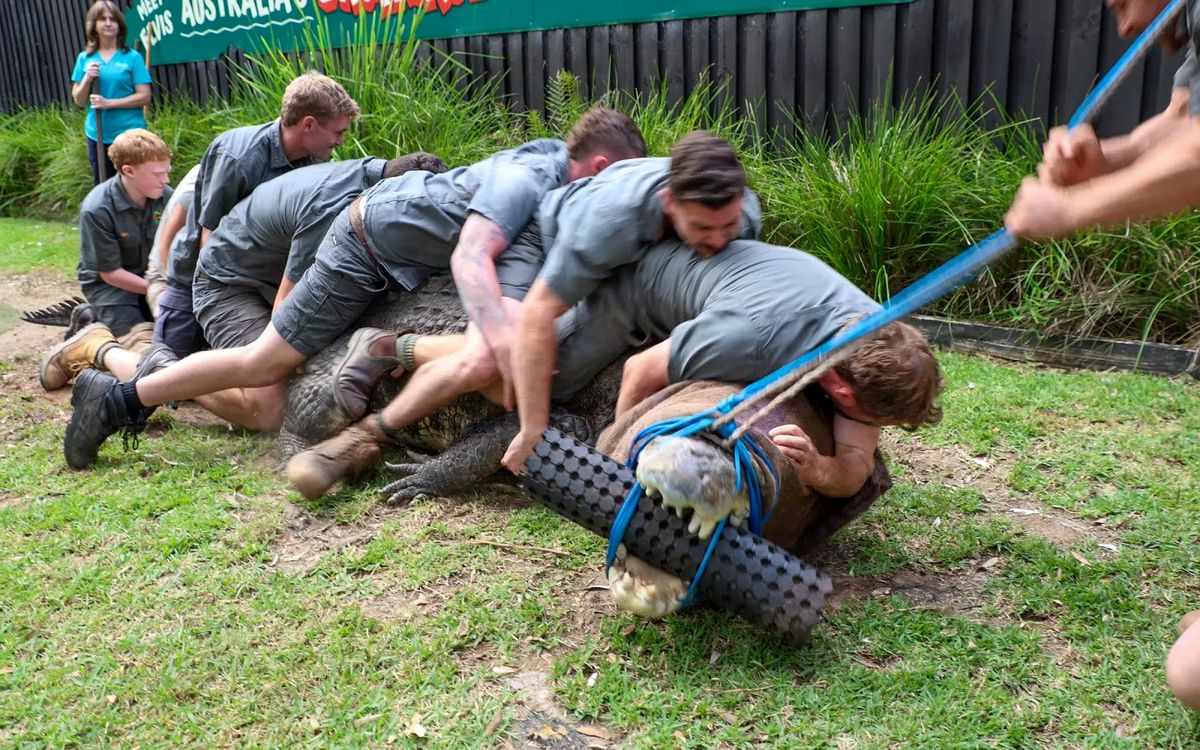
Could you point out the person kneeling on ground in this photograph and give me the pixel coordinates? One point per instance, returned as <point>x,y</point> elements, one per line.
<point>117,224</point>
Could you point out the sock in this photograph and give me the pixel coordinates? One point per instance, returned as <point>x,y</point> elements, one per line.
<point>405,345</point>
<point>133,405</point>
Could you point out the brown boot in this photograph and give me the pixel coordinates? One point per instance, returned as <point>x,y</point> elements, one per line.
<point>360,369</point>
<point>314,471</point>
<point>138,338</point>
<point>66,360</point>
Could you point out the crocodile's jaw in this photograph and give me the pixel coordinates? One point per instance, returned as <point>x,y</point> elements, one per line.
<point>643,589</point>
<point>693,475</point>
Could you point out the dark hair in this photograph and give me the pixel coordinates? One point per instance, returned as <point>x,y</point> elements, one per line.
<point>604,130</point>
<point>895,376</point>
<point>705,169</point>
<point>418,161</point>
<point>89,25</point>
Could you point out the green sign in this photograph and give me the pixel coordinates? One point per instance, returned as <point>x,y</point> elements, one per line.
<point>186,30</point>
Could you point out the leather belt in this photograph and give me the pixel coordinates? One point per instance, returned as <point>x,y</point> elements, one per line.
<point>356,223</point>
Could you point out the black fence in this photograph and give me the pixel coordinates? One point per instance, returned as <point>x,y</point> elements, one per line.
<point>1036,57</point>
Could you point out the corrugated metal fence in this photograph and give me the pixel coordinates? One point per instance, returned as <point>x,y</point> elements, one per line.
<point>1038,57</point>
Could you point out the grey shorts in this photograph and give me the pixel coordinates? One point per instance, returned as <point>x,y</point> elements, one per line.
<point>230,315</point>
<point>518,266</point>
<point>342,281</point>
<point>591,336</point>
<point>175,325</point>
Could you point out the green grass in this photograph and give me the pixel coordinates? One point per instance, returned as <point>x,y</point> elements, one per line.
<point>29,244</point>
<point>156,601</point>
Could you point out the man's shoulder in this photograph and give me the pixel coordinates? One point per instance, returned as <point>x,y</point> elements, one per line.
<point>98,198</point>
<point>237,143</point>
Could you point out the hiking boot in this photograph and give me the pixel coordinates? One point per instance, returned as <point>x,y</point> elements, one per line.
<point>136,339</point>
<point>1188,620</point>
<point>99,412</point>
<point>82,315</point>
<point>155,358</point>
<point>347,454</point>
<point>359,370</point>
<point>66,360</point>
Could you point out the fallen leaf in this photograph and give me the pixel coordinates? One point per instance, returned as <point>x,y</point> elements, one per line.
<point>494,724</point>
<point>727,717</point>
<point>1082,560</point>
<point>420,601</point>
<point>367,719</point>
<point>591,682</point>
<point>313,724</point>
<point>503,670</point>
<point>712,658</point>
<point>628,629</point>
<point>111,699</point>
<point>594,731</point>
<point>391,740</point>
<point>1024,511</point>
<point>1110,547</point>
<point>464,627</point>
<point>679,736</point>
<point>989,563</point>
<point>867,663</point>
<point>937,522</point>
<point>414,727</point>
<point>548,732</point>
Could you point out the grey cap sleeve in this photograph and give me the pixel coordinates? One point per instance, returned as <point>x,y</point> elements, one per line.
<point>721,343</point>
<point>304,246</point>
<point>751,216</point>
<point>224,184</point>
<point>511,191</point>
<point>98,247</point>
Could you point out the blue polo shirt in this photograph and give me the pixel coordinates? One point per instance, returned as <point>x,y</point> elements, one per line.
<point>118,77</point>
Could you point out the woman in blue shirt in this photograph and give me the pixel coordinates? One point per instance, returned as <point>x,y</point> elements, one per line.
<point>124,82</point>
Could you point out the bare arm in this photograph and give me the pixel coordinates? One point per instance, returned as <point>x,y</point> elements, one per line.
<point>840,475</point>
<point>81,90</point>
<point>536,348</point>
<point>166,233</point>
<point>474,267</point>
<point>205,233</point>
<point>123,279</point>
<point>644,375</point>
<point>1122,151</point>
<point>286,286</point>
<point>1164,181</point>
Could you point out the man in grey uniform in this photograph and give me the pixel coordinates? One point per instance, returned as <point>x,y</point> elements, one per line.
<point>592,227</point>
<point>396,233</point>
<point>315,114</point>
<point>1154,171</point>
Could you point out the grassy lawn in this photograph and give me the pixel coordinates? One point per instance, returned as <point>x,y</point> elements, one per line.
<point>1019,588</point>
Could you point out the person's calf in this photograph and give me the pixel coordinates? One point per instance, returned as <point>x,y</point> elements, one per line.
<point>1183,663</point>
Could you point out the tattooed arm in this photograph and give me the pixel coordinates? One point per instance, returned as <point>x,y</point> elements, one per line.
<point>474,267</point>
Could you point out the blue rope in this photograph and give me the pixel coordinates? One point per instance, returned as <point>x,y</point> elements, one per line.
<point>956,272</point>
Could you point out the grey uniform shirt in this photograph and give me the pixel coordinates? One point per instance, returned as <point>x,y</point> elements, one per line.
<point>412,222</point>
<point>236,162</point>
<point>596,225</point>
<point>740,314</point>
<point>276,230</point>
<point>115,233</point>
<point>1188,75</point>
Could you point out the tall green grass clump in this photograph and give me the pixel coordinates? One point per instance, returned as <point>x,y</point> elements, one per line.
<point>409,101</point>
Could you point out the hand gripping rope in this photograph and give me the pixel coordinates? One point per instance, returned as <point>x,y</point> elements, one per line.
<point>789,380</point>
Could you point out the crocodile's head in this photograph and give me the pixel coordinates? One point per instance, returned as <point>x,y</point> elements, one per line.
<point>693,476</point>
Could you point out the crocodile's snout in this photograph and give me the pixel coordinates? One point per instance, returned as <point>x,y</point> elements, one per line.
<point>693,474</point>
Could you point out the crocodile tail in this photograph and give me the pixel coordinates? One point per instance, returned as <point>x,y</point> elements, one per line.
<point>58,314</point>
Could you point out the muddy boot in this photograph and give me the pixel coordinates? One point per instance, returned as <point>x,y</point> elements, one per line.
<point>314,471</point>
<point>100,409</point>
<point>66,360</point>
<point>372,353</point>
<point>138,337</point>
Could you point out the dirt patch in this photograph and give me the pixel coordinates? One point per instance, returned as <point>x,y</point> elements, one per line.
<point>954,467</point>
<point>306,538</point>
<point>539,721</point>
<point>956,594</point>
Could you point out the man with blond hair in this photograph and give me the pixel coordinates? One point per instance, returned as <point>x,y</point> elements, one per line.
<point>315,115</point>
<point>117,223</point>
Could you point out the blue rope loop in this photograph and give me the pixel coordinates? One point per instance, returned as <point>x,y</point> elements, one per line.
<point>958,271</point>
<point>745,449</point>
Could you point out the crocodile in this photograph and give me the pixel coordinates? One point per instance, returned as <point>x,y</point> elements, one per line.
<point>467,439</point>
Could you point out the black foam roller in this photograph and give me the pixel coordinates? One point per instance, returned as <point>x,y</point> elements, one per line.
<point>746,575</point>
